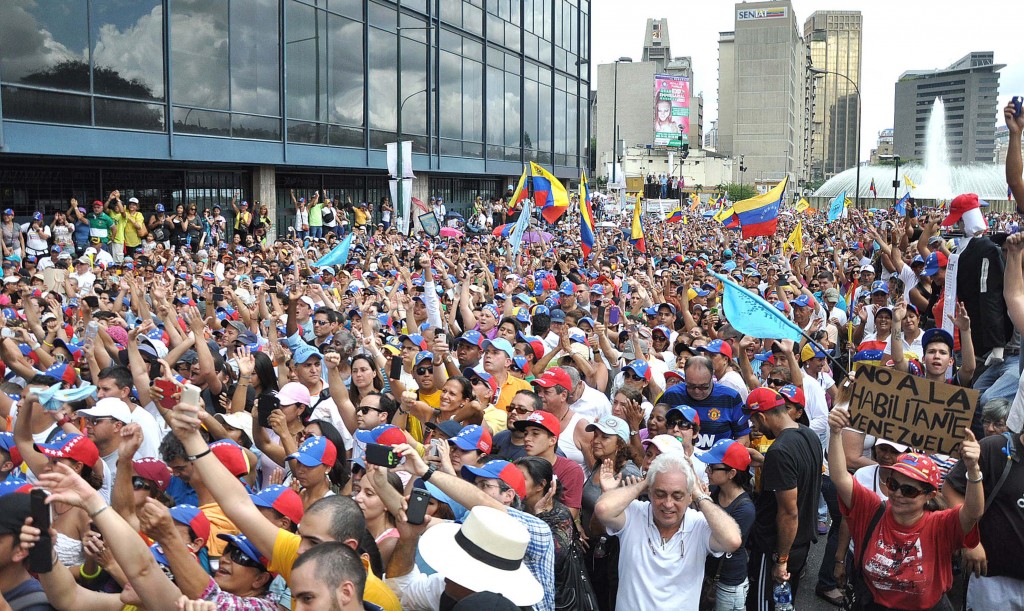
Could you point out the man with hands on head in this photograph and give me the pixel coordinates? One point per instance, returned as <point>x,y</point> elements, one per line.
<point>896,579</point>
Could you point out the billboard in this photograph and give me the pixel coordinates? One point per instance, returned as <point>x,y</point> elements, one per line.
<point>671,110</point>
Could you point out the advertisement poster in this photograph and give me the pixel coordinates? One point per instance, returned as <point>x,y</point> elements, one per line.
<point>671,110</point>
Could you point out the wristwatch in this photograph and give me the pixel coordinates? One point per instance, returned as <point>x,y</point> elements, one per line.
<point>430,471</point>
<point>703,497</point>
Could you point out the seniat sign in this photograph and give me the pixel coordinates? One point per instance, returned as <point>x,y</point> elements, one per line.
<point>761,13</point>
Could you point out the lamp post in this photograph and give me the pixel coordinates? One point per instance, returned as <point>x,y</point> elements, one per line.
<point>896,181</point>
<point>615,120</point>
<point>821,72</point>
<point>400,210</point>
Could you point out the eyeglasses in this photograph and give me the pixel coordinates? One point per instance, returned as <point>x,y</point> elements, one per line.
<point>241,558</point>
<point>776,382</point>
<point>424,370</point>
<point>321,322</point>
<point>95,421</point>
<point>365,409</point>
<point>905,490</point>
<point>139,483</point>
<point>681,424</point>
<point>700,387</point>
<point>519,409</point>
<point>716,469</point>
<point>479,382</point>
<point>629,375</point>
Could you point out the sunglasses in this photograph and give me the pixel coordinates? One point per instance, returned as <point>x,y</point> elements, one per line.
<point>424,370</point>
<point>519,409</point>
<point>716,469</point>
<point>905,490</point>
<point>240,558</point>
<point>632,376</point>
<point>139,483</point>
<point>479,382</point>
<point>776,382</point>
<point>321,322</point>
<point>682,424</point>
<point>699,386</point>
<point>365,409</point>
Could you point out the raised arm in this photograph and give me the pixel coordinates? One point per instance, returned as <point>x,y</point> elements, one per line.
<point>1013,280</point>
<point>611,507</point>
<point>1014,164</point>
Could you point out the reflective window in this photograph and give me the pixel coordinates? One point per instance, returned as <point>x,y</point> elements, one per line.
<point>128,48</point>
<point>346,78</point>
<point>193,121</point>
<point>255,57</point>
<point>306,56</point>
<point>45,44</point>
<point>46,106</point>
<point>199,53</point>
<point>381,80</point>
<point>129,115</point>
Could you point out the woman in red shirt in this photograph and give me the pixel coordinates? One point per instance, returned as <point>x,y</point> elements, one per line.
<point>908,561</point>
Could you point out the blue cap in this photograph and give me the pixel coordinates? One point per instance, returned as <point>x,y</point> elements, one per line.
<point>423,355</point>
<point>586,319</point>
<point>934,263</point>
<point>159,207</point>
<point>567,288</point>
<point>243,544</point>
<point>597,289</point>
<point>315,451</point>
<point>640,368</point>
<point>727,452</point>
<point>472,337</point>
<point>501,344</point>
<point>557,315</point>
<point>686,412</point>
<point>415,338</point>
<point>303,353</point>
<point>880,286</point>
<point>936,334</point>
<point>611,425</point>
<point>522,297</point>
<point>578,336</point>
<point>802,301</point>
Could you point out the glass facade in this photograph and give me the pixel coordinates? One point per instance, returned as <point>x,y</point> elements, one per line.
<point>834,40</point>
<point>478,81</point>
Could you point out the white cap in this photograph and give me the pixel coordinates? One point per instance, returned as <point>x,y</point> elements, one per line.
<point>109,407</point>
<point>133,200</point>
<point>899,447</point>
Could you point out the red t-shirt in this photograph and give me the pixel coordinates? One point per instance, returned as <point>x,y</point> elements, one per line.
<point>572,478</point>
<point>906,567</point>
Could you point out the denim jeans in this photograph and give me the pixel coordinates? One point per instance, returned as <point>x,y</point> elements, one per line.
<point>998,381</point>
<point>316,231</point>
<point>732,598</point>
<point>826,577</point>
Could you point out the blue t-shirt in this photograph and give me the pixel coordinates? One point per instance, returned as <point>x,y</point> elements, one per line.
<point>181,493</point>
<point>24,588</point>
<point>721,413</point>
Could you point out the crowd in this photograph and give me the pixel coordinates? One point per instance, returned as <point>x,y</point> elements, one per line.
<point>447,423</point>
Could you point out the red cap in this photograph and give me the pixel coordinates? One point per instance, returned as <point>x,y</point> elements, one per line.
<point>764,399</point>
<point>231,455</point>
<point>555,376</point>
<point>153,469</point>
<point>918,467</point>
<point>545,420</point>
<point>794,394</point>
<point>960,205</point>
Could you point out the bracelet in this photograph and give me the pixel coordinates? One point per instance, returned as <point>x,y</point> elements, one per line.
<point>199,455</point>
<point>63,420</point>
<point>93,515</point>
<point>981,478</point>
<point>843,561</point>
<point>81,571</point>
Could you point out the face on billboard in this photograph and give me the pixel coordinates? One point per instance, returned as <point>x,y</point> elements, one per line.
<point>671,110</point>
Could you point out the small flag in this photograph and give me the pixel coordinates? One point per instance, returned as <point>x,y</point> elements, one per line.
<point>586,217</point>
<point>636,236</point>
<point>759,215</point>
<point>419,204</point>
<point>521,227</point>
<point>676,215</point>
<point>549,194</point>
<point>796,239</point>
<point>837,208</point>
<point>751,315</point>
<point>724,214</point>
<point>694,201</point>
<point>872,188</point>
<point>901,206</point>
<point>520,194</point>
<point>802,205</point>
<point>910,183</point>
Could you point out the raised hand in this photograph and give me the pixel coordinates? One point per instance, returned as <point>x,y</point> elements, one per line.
<point>131,439</point>
<point>960,319</point>
<point>970,450</point>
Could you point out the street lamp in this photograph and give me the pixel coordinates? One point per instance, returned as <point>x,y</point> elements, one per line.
<point>896,181</point>
<point>821,72</point>
<point>400,187</point>
<point>615,117</point>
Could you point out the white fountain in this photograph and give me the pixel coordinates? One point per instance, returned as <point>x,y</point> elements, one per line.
<point>935,179</point>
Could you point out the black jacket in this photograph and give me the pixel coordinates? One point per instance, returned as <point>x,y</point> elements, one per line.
<point>979,285</point>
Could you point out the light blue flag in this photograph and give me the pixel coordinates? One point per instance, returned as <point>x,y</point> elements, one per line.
<point>522,225</point>
<point>901,206</point>
<point>835,209</point>
<point>753,316</point>
<point>338,254</point>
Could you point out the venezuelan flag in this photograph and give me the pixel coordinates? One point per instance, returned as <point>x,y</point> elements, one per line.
<point>759,215</point>
<point>872,188</point>
<point>520,194</point>
<point>636,236</point>
<point>586,217</point>
<point>548,194</point>
<point>676,215</point>
<point>733,222</point>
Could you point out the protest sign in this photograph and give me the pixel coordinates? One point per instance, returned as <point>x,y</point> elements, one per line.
<point>927,416</point>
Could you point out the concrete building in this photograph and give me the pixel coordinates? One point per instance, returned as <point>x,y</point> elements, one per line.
<point>178,102</point>
<point>763,93</point>
<point>834,40</point>
<point>968,88</point>
<point>628,102</point>
<point>883,146</point>
<point>711,137</point>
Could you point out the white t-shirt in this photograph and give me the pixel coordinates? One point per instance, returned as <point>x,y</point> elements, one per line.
<point>593,404</point>
<point>36,241</point>
<point>151,436</point>
<point>735,381</point>
<point>913,348</point>
<point>669,577</point>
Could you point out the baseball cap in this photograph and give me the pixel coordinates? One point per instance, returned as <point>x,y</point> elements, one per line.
<point>385,435</point>
<point>501,344</point>
<point>899,447</point>
<point>960,205</point>
<point>281,499</point>
<point>764,399</point>
<point>423,355</point>
<point>556,376</point>
<point>415,338</point>
<point>801,302</point>
<point>109,407</point>
<point>471,337</point>
<point>231,455</point>
<point>640,368</point>
<point>473,437</point>
<point>936,334</point>
<point>194,518</point>
<point>793,394</point>
<point>810,351</point>
<point>879,286</point>
<point>497,469</point>
<point>557,315</point>
<point>917,467</point>
<point>294,393</point>
<point>316,451</point>
<point>245,546</point>
<point>727,452</point>
<point>687,412</point>
<point>675,373</point>
<point>545,420</point>
<point>9,486</point>
<point>74,446</point>
<point>8,445</point>
<point>153,469</point>
<point>664,443</point>
<point>718,346</point>
<point>304,352</point>
<point>935,261</point>
<point>611,425</point>
<point>448,428</point>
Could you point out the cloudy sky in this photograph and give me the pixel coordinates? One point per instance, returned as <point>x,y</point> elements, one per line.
<point>898,35</point>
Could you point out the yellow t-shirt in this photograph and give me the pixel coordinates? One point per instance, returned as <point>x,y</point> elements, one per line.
<point>495,419</point>
<point>508,390</point>
<point>414,426</point>
<point>286,552</point>
<point>120,220</point>
<point>361,217</point>
<point>219,523</point>
<point>131,234</point>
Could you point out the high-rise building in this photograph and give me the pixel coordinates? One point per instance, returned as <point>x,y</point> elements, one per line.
<point>968,89</point>
<point>834,41</point>
<point>762,80</point>
<point>178,102</point>
<point>649,104</point>
<point>883,146</point>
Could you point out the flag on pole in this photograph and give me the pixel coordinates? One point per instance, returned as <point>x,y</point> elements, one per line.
<point>837,208</point>
<point>676,215</point>
<point>636,236</point>
<point>419,204</point>
<point>759,215</point>
<point>586,217</point>
<point>802,205</point>
<point>516,238</point>
<point>724,214</point>
<point>549,194</point>
<point>733,222</point>
<point>901,206</point>
<point>910,183</point>
<point>694,201</point>
<point>795,241</point>
<point>751,315</point>
<point>338,255</point>
<point>520,194</point>
<point>872,188</point>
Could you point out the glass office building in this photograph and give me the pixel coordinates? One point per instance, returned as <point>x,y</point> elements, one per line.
<point>189,100</point>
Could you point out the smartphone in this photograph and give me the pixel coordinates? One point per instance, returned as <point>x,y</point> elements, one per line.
<point>396,367</point>
<point>168,388</point>
<point>383,456</point>
<point>434,444</point>
<point>39,557</point>
<point>419,499</point>
<point>267,403</point>
<point>600,314</point>
<point>441,337</point>
<point>1018,105</point>
<point>613,315</point>
<point>190,395</point>
<point>92,301</point>
<point>218,294</point>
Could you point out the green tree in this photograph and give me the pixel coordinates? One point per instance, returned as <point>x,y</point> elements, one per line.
<point>737,192</point>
